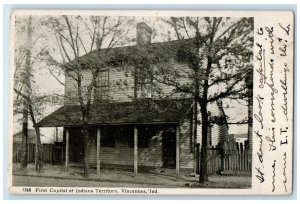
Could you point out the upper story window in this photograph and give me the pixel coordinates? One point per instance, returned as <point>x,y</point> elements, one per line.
<point>117,63</point>
<point>143,83</point>
<point>102,86</point>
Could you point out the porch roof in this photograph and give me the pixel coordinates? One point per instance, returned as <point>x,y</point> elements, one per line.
<point>141,112</point>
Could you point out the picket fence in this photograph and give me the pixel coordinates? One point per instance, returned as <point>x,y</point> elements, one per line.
<point>47,149</point>
<point>229,159</point>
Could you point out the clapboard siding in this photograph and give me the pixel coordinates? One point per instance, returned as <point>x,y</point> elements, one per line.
<point>121,84</point>
<point>163,90</point>
<point>215,135</point>
<point>219,132</point>
<point>71,96</point>
<point>186,156</point>
<point>223,132</point>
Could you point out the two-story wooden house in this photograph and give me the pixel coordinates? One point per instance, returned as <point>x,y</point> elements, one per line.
<point>135,121</point>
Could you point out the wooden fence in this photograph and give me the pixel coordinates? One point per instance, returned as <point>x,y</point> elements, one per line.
<point>47,149</point>
<point>226,159</point>
<point>214,161</point>
<point>238,163</point>
<point>229,159</point>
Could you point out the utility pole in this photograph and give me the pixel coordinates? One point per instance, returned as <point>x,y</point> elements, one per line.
<point>26,94</point>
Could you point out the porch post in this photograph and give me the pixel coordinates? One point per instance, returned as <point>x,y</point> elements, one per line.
<point>135,150</point>
<point>67,150</point>
<point>98,150</point>
<point>177,151</point>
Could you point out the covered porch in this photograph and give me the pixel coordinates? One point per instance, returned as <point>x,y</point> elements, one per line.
<point>127,134</point>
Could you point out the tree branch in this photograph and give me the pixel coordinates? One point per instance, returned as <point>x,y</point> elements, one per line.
<point>56,77</point>
<point>71,35</point>
<point>21,94</point>
<point>229,91</point>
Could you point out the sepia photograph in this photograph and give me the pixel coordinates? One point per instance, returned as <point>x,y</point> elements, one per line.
<point>132,101</point>
<point>151,102</point>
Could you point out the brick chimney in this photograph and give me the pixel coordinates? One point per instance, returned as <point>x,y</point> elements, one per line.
<point>143,34</point>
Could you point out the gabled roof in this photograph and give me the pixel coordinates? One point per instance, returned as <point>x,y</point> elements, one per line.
<point>131,53</point>
<point>139,112</point>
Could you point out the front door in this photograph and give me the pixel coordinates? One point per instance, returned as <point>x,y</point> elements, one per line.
<point>75,145</point>
<point>169,148</point>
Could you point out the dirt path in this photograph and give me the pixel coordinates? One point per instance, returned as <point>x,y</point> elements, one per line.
<point>32,181</point>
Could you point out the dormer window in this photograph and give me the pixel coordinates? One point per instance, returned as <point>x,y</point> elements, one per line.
<point>102,86</point>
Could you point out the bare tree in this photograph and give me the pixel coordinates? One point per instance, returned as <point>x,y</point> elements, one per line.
<point>218,52</point>
<point>27,102</point>
<point>77,36</point>
<point>23,57</point>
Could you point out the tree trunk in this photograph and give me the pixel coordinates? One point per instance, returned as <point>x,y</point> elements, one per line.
<point>24,138</point>
<point>38,143</point>
<point>196,154</point>
<point>196,99</point>
<point>39,151</point>
<point>86,166</point>
<point>203,165</point>
<point>204,119</point>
